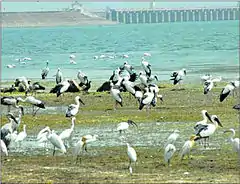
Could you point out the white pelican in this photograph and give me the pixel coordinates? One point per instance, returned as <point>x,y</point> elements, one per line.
<point>56,141</point>
<point>147,67</point>
<point>11,101</point>
<point>234,141</point>
<point>177,76</point>
<point>205,131</point>
<point>132,155</point>
<point>147,54</point>
<point>3,148</point>
<point>68,133</point>
<point>45,71</point>
<point>206,117</point>
<point>22,135</point>
<point>173,137</point>
<point>59,77</point>
<point>229,88</point>
<point>115,92</point>
<point>123,126</point>
<point>187,147</point>
<point>34,102</point>
<point>87,139</point>
<point>72,109</point>
<point>169,152</point>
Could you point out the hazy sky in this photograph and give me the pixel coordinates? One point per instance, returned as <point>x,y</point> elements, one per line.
<point>36,6</point>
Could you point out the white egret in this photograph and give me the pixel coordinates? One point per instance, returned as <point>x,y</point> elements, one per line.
<point>68,133</point>
<point>234,141</point>
<point>169,152</point>
<point>21,136</point>
<point>132,155</point>
<point>72,109</point>
<point>123,126</point>
<point>87,139</point>
<point>187,147</point>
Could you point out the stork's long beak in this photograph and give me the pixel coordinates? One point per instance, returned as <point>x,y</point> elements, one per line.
<point>81,101</point>
<point>208,116</point>
<point>13,118</point>
<point>22,110</point>
<point>218,121</point>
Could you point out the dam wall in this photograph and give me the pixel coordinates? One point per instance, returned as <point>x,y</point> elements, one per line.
<point>141,16</point>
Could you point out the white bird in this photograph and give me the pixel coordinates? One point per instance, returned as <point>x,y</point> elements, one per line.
<point>188,146</point>
<point>206,77</point>
<point>45,71</point>
<point>77,149</point>
<point>11,102</point>
<point>125,56</point>
<point>115,92</point>
<point>62,87</point>
<point>11,66</point>
<point>59,77</point>
<point>34,102</point>
<point>208,85</point>
<point>42,133</point>
<point>169,152</point>
<point>3,148</point>
<point>68,133</point>
<point>123,126</point>
<point>126,66</point>
<point>82,78</point>
<point>229,88</point>
<point>147,67</point>
<point>129,86</point>
<point>147,54</point>
<point>23,80</point>
<point>234,141</point>
<point>72,109</point>
<point>138,95</point>
<point>56,141</point>
<point>143,78</point>
<point>87,139</point>
<point>177,76</point>
<point>132,155</point>
<point>205,131</point>
<point>173,137</point>
<point>21,136</point>
<point>206,117</point>
<point>147,99</point>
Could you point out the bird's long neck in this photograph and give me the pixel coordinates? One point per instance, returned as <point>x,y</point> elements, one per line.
<point>77,102</point>
<point>232,136</point>
<point>24,129</point>
<point>205,117</point>
<point>72,127</point>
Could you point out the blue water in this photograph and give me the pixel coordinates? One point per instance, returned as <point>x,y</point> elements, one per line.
<point>200,47</point>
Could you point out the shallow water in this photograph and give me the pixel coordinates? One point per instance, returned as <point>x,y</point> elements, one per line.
<point>146,135</point>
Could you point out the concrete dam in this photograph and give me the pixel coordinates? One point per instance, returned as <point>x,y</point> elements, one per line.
<point>141,16</point>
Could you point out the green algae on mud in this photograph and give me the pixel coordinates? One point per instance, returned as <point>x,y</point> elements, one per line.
<point>110,165</point>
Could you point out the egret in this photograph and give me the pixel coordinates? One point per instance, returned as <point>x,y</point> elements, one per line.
<point>132,155</point>
<point>87,139</point>
<point>173,137</point>
<point>72,109</point>
<point>123,126</point>
<point>3,148</point>
<point>77,149</point>
<point>205,131</point>
<point>21,136</point>
<point>187,147</point>
<point>34,102</point>
<point>59,76</point>
<point>68,133</point>
<point>45,71</point>
<point>169,152</point>
<point>234,141</point>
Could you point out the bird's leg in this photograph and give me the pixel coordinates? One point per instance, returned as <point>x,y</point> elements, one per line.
<point>36,111</point>
<point>54,151</point>
<point>130,162</point>
<point>168,162</point>
<point>9,108</point>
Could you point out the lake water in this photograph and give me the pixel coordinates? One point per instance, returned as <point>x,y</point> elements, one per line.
<point>200,47</point>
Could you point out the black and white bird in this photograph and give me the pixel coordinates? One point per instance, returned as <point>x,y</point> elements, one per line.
<point>25,82</point>
<point>3,148</point>
<point>34,102</point>
<point>126,66</point>
<point>73,109</point>
<point>61,88</point>
<point>206,77</point>
<point>36,86</point>
<point>205,131</point>
<point>143,78</point>
<point>206,117</point>
<point>45,71</point>
<point>129,86</point>
<point>228,89</point>
<point>237,107</point>
<point>9,90</point>
<point>123,126</point>
<point>10,101</point>
<point>177,76</point>
<point>116,76</point>
<point>115,92</point>
<point>147,67</point>
<point>59,76</point>
<point>82,78</point>
<point>208,85</point>
<point>147,99</point>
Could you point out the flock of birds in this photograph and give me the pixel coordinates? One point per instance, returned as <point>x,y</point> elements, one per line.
<point>123,79</point>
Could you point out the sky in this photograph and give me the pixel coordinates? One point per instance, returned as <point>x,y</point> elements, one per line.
<point>48,6</point>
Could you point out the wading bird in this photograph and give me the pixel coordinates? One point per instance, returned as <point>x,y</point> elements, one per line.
<point>234,141</point>
<point>173,137</point>
<point>229,88</point>
<point>169,152</point>
<point>187,147</point>
<point>205,131</point>
<point>123,126</point>
<point>206,117</point>
<point>87,139</point>
<point>45,71</point>
<point>11,101</point>
<point>237,107</point>
<point>34,102</point>
<point>67,134</point>
<point>21,136</point>
<point>3,148</point>
<point>147,67</point>
<point>132,155</point>
<point>72,109</point>
<point>115,92</point>
<point>177,76</point>
<point>59,76</point>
